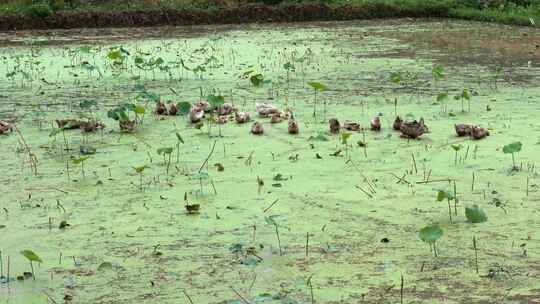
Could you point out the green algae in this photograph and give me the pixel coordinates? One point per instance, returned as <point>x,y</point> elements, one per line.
<point>347,206</point>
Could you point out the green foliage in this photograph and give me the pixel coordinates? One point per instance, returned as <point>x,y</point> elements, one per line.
<point>442,96</point>
<point>39,10</point>
<point>140,169</point>
<point>167,150</point>
<point>31,256</point>
<point>289,67</point>
<point>139,110</point>
<point>512,148</point>
<point>88,104</point>
<point>475,215</point>
<point>430,234</point>
<point>215,100</point>
<point>438,72</point>
<point>256,80</point>
<point>345,137</point>
<point>457,147</point>
<point>105,266</point>
<point>183,107</point>
<point>120,113</point>
<point>396,77</point>
<point>442,195</point>
<point>317,86</point>
<point>79,160</point>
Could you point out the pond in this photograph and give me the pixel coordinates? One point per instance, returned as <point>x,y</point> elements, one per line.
<point>209,213</point>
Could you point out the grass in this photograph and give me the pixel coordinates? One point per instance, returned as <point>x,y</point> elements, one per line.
<point>501,11</point>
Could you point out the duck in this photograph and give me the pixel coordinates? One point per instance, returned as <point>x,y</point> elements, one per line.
<point>127,125</point>
<point>479,132</point>
<point>69,124</point>
<point>276,118</point>
<point>375,123</point>
<point>204,105</point>
<point>265,109</point>
<point>257,128</point>
<point>351,126</point>
<point>196,113</point>
<point>241,117</point>
<point>463,129</point>
<point>293,125</point>
<point>91,126</point>
<point>5,127</point>
<point>397,123</point>
<point>173,110</point>
<point>161,109</point>
<point>334,125</point>
<point>413,129</point>
<point>225,109</point>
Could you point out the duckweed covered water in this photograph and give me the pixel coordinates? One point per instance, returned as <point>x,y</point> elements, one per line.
<point>290,219</point>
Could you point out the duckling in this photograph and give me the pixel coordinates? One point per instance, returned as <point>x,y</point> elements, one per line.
<point>257,128</point>
<point>463,129</point>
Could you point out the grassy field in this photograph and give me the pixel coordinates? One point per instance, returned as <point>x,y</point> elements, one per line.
<point>517,12</point>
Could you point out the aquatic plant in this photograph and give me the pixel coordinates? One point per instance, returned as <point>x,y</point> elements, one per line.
<point>431,234</point>
<point>140,170</point>
<point>442,195</point>
<point>32,257</point>
<point>464,95</point>
<point>513,148</point>
<point>475,215</point>
<point>318,87</point>
<point>80,161</point>
<point>456,148</point>
<point>166,152</point>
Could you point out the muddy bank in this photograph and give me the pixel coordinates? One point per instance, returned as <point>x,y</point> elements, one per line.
<point>244,14</point>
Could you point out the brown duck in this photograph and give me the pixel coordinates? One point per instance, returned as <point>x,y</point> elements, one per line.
<point>351,126</point>
<point>257,128</point>
<point>397,123</point>
<point>293,125</point>
<point>479,132</point>
<point>161,109</point>
<point>413,129</point>
<point>463,129</point>
<point>375,123</point>
<point>241,117</point>
<point>334,125</point>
